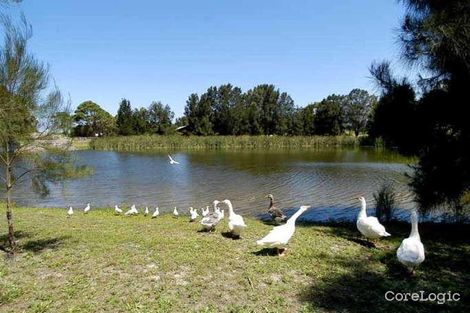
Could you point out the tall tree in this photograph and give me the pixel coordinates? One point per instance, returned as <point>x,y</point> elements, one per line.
<point>64,121</point>
<point>140,121</point>
<point>160,118</point>
<point>329,116</point>
<point>394,117</point>
<point>124,120</point>
<point>92,120</point>
<point>198,111</point>
<point>357,106</point>
<point>27,119</point>
<point>435,37</point>
<point>228,97</point>
<point>190,112</point>
<point>204,112</point>
<point>308,119</point>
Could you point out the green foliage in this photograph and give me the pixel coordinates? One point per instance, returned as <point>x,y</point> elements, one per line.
<point>225,110</point>
<point>159,118</point>
<point>140,121</point>
<point>92,120</point>
<point>394,117</point>
<point>329,115</point>
<point>63,122</point>
<point>227,100</point>
<point>385,200</point>
<point>29,118</point>
<point>124,121</point>
<point>435,35</point>
<point>198,113</point>
<point>306,119</point>
<point>357,108</point>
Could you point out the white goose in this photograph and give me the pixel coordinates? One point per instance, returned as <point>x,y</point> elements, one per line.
<point>117,210</point>
<point>172,162</point>
<point>369,226</point>
<point>411,251</point>
<point>204,212</point>
<point>279,236</point>
<point>175,213</point>
<point>132,211</point>
<point>212,219</point>
<point>236,224</point>
<point>156,212</point>
<point>87,208</point>
<point>146,212</point>
<point>70,212</point>
<point>193,214</point>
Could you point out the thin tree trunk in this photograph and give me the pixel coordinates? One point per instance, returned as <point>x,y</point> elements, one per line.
<point>11,233</point>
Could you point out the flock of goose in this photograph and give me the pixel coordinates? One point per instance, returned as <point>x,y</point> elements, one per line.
<point>410,253</point>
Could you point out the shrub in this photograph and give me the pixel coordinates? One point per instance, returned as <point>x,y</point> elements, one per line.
<point>385,202</point>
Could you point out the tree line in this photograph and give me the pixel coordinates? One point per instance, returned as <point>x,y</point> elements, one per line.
<point>226,110</point>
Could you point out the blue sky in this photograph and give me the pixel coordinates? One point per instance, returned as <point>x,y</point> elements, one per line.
<point>165,50</point>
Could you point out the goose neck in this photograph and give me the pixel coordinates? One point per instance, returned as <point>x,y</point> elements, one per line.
<point>363,212</point>
<point>414,227</point>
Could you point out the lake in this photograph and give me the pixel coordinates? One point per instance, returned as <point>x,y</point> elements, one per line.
<point>327,180</point>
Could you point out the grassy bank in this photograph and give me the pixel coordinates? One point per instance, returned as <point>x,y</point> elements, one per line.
<point>149,142</point>
<point>104,263</point>
<point>79,143</point>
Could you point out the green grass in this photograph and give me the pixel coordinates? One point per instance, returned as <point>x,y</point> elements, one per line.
<point>105,263</point>
<point>154,142</point>
<point>81,143</point>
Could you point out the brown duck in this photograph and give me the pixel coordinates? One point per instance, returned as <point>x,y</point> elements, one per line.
<point>277,216</point>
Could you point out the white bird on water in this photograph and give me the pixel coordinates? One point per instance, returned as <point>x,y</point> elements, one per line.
<point>117,210</point>
<point>411,251</point>
<point>172,161</point>
<point>70,212</point>
<point>279,236</point>
<point>156,213</point>
<point>204,212</point>
<point>369,226</point>
<point>193,214</point>
<point>146,212</point>
<point>175,213</point>
<point>236,224</point>
<point>87,208</point>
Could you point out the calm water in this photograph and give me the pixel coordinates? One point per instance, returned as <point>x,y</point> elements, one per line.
<point>325,180</point>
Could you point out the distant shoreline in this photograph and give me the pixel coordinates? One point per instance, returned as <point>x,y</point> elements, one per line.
<point>155,142</point>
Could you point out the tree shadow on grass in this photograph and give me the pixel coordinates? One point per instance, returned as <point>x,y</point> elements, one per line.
<point>365,278</point>
<point>18,235</point>
<point>39,245</point>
